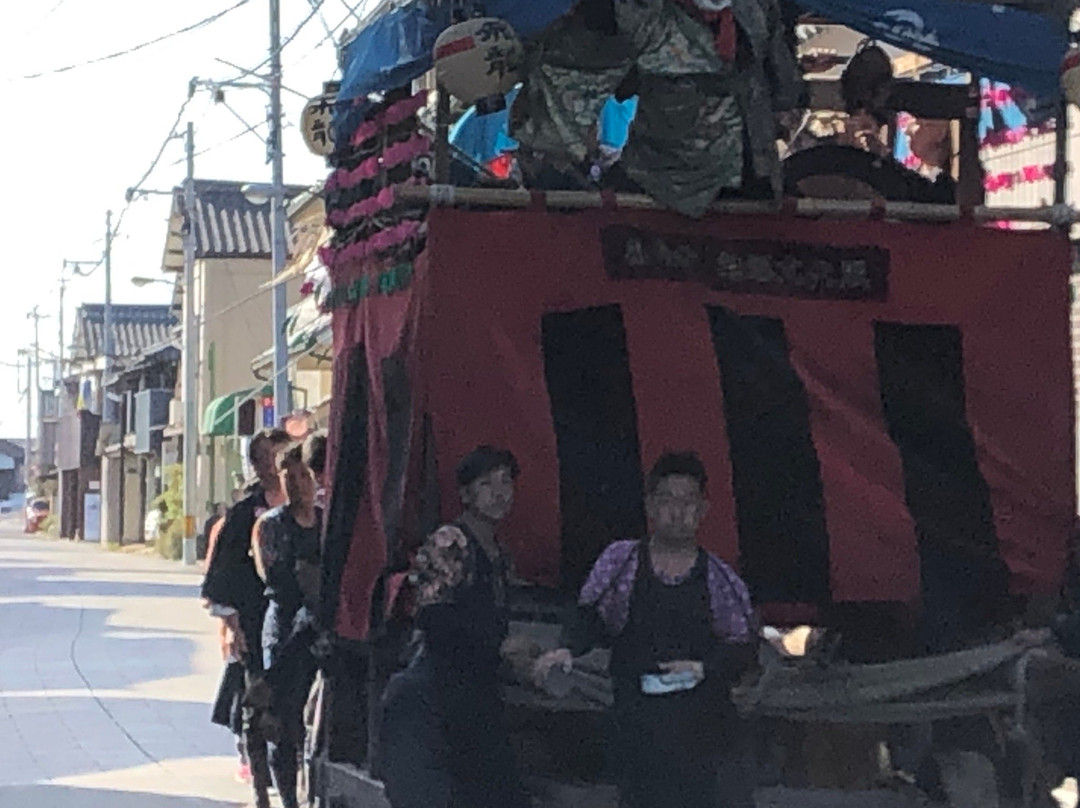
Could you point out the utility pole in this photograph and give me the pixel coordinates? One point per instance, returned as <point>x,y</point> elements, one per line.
<point>28,466</point>
<point>279,243</point>
<point>107,411</point>
<point>282,402</point>
<point>76,270</point>
<point>37,318</point>
<point>60,332</point>
<point>35,393</point>
<point>190,357</point>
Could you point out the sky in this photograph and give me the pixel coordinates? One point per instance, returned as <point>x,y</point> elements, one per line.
<point>74,141</point>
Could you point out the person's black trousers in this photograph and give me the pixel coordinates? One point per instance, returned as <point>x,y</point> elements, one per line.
<point>291,669</point>
<point>254,739</point>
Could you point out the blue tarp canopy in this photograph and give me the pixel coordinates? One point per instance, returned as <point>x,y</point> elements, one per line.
<point>396,47</point>
<point>1004,43</point>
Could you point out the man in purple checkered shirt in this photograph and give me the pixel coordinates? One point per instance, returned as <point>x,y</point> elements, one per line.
<point>681,631</point>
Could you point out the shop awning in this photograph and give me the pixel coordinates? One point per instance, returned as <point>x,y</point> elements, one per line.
<point>220,416</point>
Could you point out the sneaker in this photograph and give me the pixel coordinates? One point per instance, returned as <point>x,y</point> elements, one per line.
<point>243,773</point>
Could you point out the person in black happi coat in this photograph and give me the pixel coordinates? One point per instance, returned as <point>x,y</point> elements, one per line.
<point>233,591</point>
<point>287,549</point>
<point>444,743</point>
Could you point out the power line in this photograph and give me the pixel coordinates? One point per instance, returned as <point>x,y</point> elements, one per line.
<point>352,9</point>
<point>154,163</point>
<point>49,13</point>
<point>226,142</point>
<point>165,143</point>
<point>330,34</point>
<point>322,17</point>
<point>316,6</point>
<point>134,49</point>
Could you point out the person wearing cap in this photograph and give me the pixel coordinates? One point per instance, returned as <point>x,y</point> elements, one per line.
<point>443,740</point>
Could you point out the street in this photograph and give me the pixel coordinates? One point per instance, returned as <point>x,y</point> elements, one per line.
<point>108,666</point>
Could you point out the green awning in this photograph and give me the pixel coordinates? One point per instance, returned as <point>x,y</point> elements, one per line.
<point>220,416</point>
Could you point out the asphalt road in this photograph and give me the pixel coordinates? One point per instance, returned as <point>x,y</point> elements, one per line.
<point>108,667</point>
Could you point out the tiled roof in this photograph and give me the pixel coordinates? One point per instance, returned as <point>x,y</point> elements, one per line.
<point>135,329</point>
<point>226,224</point>
<point>13,449</point>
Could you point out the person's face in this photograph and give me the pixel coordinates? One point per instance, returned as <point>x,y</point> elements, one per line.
<point>490,496</point>
<point>299,484</point>
<point>676,508</point>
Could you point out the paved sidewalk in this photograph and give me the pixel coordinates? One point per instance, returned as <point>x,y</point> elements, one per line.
<point>108,667</point>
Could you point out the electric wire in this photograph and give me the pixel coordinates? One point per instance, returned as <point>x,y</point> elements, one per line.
<point>41,21</point>
<point>225,142</point>
<point>316,7</point>
<point>136,48</point>
<point>173,131</point>
<point>322,17</point>
<point>330,35</point>
<point>352,9</point>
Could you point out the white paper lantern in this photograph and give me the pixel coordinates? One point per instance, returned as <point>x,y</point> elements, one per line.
<point>316,123</point>
<point>477,61</point>
<point>1070,75</point>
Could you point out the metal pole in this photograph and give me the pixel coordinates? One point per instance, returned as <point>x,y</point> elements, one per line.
<point>282,402</point>
<point>107,410</point>
<point>37,379</point>
<point>28,454</point>
<point>37,349</point>
<point>190,359</point>
<point>62,506</point>
<point>60,343</point>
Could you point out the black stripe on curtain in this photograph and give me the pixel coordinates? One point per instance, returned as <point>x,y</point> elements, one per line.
<point>776,475</point>
<point>350,477</point>
<point>397,402</point>
<point>601,492</point>
<point>921,377</point>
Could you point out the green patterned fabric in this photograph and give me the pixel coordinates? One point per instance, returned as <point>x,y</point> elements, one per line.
<point>686,143</point>
<point>571,73</point>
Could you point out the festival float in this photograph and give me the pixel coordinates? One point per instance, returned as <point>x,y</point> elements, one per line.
<point>566,228</point>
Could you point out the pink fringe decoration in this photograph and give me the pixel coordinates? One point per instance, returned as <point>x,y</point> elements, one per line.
<point>367,207</point>
<point>389,117</point>
<point>1009,179</point>
<point>370,168</point>
<point>391,237</point>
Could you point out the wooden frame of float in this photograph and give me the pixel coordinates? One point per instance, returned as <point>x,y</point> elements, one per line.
<point>959,103</point>
<point>452,196</point>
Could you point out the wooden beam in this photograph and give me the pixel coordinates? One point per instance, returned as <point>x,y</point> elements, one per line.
<point>442,135</point>
<point>921,99</point>
<point>510,198</point>
<point>970,192</point>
